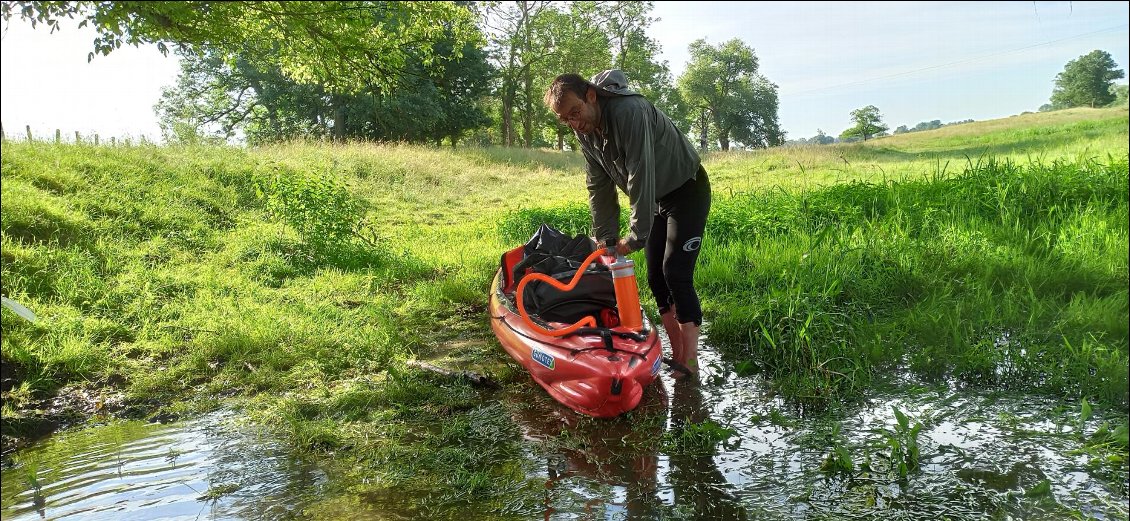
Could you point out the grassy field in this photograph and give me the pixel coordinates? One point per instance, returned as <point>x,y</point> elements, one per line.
<point>298,280</point>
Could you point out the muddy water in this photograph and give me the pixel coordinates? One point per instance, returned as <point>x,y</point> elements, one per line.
<point>210,468</point>
<point>724,448</point>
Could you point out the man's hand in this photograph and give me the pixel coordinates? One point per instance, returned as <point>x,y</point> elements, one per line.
<point>622,247</point>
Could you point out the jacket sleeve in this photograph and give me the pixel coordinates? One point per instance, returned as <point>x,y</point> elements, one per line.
<point>603,203</point>
<point>637,133</point>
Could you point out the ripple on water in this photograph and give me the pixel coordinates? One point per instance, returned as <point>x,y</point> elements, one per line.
<point>207,468</point>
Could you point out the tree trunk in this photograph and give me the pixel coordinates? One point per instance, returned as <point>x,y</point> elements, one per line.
<point>724,142</point>
<point>510,78</point>
<point>528,108</point>
<point>339,119</point>
<point>560,140</point>
<point>702,143</point>
<point>508,116</point>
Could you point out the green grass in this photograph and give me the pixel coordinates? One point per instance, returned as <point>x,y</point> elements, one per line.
<point>1004,274</point>
<point>993,253</point>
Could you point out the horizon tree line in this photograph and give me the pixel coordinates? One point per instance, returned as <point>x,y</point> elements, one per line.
<point>451,72</point>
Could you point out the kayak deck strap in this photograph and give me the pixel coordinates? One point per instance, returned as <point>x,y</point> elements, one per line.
<point>623,334</point>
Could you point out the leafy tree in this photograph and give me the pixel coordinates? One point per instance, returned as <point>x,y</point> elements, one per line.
<point>1120,95</point>
<point>821,138</point>
<point>868,123</point>
<point>531,42</point>
<point>731,98</point>
<point>634,52</point>
<point>343,47</point>
<point>1086,81</point>
<point>901,129</point>
<point>574,41</point>
<point>928,125</point>
<point>510,30</point>
<point>207,103</point>
<point>464,81</point>
<point>215,99</point>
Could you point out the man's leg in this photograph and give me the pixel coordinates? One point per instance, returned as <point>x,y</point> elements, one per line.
<point>674,334</point>
<point>686,210</point>
<point>655,252</point>
<point>689,332</point>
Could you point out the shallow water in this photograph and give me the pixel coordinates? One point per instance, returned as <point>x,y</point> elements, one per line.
<point>983,456</point>
<point>210,468</point>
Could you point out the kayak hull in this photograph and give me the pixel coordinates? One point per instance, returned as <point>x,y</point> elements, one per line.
<point>600,375</point>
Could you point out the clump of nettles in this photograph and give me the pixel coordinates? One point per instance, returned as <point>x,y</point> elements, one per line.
<point>319,208</point>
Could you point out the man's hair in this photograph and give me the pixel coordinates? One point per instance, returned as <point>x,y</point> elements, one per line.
<point>566,83</point>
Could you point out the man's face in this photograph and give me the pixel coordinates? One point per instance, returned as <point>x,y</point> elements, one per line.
<point>580,115</point>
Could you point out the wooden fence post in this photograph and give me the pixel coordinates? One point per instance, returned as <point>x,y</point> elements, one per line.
<point>58,136</point>
<point>95,139</point>
<point>77,139</point>
<point>29,133</point>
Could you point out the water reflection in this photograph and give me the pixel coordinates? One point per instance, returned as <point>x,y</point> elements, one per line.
<point>698,485</point>
<point>728,448</point>
<point>596,467</point>
<point>656,463</point>
<point>209,468</point>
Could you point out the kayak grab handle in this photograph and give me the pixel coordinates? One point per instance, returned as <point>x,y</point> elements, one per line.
<point>587,321</point>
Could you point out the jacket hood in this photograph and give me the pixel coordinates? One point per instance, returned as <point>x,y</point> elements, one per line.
<point>612,82</point>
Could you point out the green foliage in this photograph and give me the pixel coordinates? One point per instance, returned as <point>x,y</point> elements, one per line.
<point>1121,97</point>
<point>344,47</point>
<point>699,439</point>
<point>317,206</point>
<point>517,226</point>
<point>1084,414</point>
<point>580,44</point>
<point>821,138</point>
<point>841,276</point>
<point>1086,81</point>
<point>741,104</point>
<point>1041,489</point>
<point>839,459</point>
<point>209,102</point>
<point>637,54</point>
<point>216,97</point>
<point>903,442</point>
<point>867,121</point>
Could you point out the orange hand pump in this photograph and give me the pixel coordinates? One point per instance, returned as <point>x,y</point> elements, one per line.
<point>624,281</point>
<point>627,293</point>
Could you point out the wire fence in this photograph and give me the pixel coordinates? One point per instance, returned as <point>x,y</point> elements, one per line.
<point>77,138</point>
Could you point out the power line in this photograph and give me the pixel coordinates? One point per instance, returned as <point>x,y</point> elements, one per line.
<point>959,62</point>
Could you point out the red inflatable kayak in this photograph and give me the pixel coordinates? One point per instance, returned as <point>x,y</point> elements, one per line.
<point>571,339</point>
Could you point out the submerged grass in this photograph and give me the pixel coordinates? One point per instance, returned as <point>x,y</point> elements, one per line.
<point>993,254</point>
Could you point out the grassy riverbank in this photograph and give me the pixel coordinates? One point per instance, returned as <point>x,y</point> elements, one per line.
<point>170,280</point>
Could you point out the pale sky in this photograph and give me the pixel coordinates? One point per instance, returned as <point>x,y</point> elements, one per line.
<point>915,61</point>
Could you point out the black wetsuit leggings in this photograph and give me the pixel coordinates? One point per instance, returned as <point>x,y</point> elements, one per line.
<point>673,246</point>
